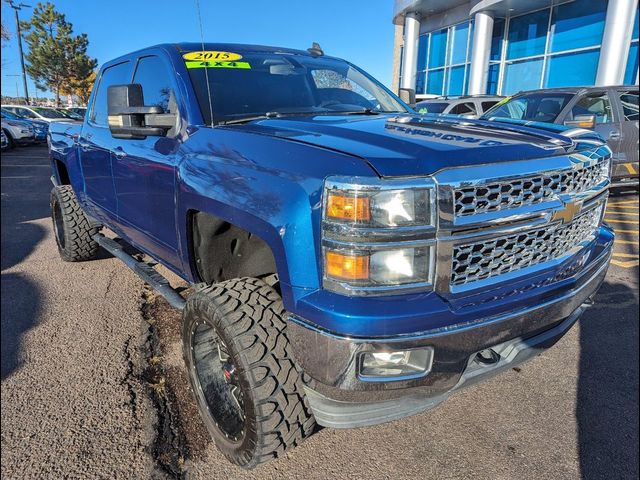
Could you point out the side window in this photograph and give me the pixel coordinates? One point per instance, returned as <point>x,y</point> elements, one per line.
<point>466,108</point>
<point>23,112</point>
<point>594,104</point>
<point>629,102</point>
<point>152,74</point>
<point>116,75</point>
<point>487,105</point>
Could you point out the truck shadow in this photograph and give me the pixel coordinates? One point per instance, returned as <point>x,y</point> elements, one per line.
<point>21,302</point>
<point>607,403</point>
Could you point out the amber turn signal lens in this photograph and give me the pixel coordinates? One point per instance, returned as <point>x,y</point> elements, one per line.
<point>346,266</point>
<point>354,209</point>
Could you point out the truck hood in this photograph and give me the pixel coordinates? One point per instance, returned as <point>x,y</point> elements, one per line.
<point>410,145</point>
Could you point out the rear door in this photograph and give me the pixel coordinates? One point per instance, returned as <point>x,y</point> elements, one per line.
<point>95,143</point>
<point>599,103</point>
<point>144,171</point>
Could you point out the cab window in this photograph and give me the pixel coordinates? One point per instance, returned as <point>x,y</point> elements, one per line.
<point>466,108</point>
<point>119,74</point>
<point>153,76</point>
<point>594,104</point>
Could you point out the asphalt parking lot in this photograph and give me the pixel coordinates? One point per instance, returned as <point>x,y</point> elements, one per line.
<point>92,384</point>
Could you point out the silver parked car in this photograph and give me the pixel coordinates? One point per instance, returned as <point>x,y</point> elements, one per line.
<point>469,105</point>
<point>610,111</point>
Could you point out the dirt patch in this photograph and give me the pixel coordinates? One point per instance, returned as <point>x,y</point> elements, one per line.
<point>181,435</point>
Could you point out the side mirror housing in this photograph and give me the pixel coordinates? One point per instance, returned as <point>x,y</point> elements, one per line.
<point>582,121</point>
<point>408,96</point>
<point>129,118</point>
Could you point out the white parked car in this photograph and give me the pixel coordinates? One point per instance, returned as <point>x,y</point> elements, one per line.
<point>45,114</point>
<point>18,132</point>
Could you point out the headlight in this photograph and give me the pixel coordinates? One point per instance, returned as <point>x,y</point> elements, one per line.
<point>373,268</point>
<point>388,208</point>
<point>378,235</point>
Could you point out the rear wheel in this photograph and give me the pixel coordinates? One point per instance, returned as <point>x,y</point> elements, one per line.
<point>73,230</point>
<point>248,388</point>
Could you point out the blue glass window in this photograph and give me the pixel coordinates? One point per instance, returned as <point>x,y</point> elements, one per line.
<point>420,77</point>
<point>635,28</point>
<point>459,44</point>
<point>572,69</point>
<point>528,34</point>
<point>631,72</point>
<point>492,79</point>
<point>438,51</point>
<point>423,43</point>
<point>523,75</point>
<point>455,81</point>
<point>435,79</point>
<point>496,39</point>
<point>578,24</point>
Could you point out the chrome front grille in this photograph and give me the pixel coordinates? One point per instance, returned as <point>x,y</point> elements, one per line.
<point>499,195</point>
<point>504,254</point>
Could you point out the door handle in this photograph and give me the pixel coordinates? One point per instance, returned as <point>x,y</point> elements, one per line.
<point>614,135</point>
<point>119,153</point>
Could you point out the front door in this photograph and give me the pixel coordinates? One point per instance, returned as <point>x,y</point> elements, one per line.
<point>144,171</point>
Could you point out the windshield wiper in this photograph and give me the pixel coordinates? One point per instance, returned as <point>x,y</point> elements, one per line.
<point>250,118</point>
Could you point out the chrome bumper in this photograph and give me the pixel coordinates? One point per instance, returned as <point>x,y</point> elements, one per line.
<point>340,399</point>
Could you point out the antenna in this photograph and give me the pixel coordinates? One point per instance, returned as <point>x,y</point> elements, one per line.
<point>206,70</point>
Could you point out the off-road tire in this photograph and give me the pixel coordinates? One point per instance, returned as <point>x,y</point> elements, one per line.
<point>72,229</point>
<point>248,316</point>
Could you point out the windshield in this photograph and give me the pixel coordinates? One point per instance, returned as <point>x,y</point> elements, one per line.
<point>537,107</point>
<point>431,107</point>
<point>275,83</point>
<point>48,112</point>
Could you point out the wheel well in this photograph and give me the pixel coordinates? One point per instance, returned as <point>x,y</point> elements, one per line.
<point>222,251</point>
<point>63,174</point>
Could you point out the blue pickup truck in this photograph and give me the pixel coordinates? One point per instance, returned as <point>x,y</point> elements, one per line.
<point>353,262</point>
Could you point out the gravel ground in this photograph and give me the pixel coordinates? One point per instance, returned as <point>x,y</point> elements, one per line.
<point>82,343</point>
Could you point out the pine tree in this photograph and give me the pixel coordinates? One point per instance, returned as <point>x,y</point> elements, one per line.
<point>57,59</point>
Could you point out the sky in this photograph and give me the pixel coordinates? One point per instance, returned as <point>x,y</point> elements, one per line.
<point>357,30</point>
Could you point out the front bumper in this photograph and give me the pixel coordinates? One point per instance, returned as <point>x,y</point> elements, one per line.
<point>340,399</point>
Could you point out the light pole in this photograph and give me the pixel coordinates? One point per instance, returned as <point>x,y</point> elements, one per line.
<point>16,8</point>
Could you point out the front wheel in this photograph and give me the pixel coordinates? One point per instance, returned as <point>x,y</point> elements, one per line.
<point>248,388</point>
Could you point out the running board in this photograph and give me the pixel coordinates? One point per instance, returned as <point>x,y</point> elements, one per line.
<point>150,275</point>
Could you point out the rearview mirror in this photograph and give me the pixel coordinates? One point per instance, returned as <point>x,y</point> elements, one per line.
<point>582,121</point>
<point>128,116</point>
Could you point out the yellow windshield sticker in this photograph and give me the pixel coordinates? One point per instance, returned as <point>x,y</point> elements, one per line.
<point>244,65</point>
<point>212,55</point>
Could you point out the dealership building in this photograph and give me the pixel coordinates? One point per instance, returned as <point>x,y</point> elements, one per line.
<point>454,47</point>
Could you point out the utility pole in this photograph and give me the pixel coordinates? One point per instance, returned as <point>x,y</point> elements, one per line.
<point>16,8</point>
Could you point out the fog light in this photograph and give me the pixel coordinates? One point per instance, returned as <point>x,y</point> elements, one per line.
<point>397,365</point>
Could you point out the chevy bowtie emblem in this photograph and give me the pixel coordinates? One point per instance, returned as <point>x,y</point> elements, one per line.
<point>568,213</point>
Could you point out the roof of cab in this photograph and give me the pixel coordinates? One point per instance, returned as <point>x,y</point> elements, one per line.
<point>196,46</point>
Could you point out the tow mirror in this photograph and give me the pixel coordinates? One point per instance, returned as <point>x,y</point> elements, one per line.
<point>129,118</point>
<point>582,121</point>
